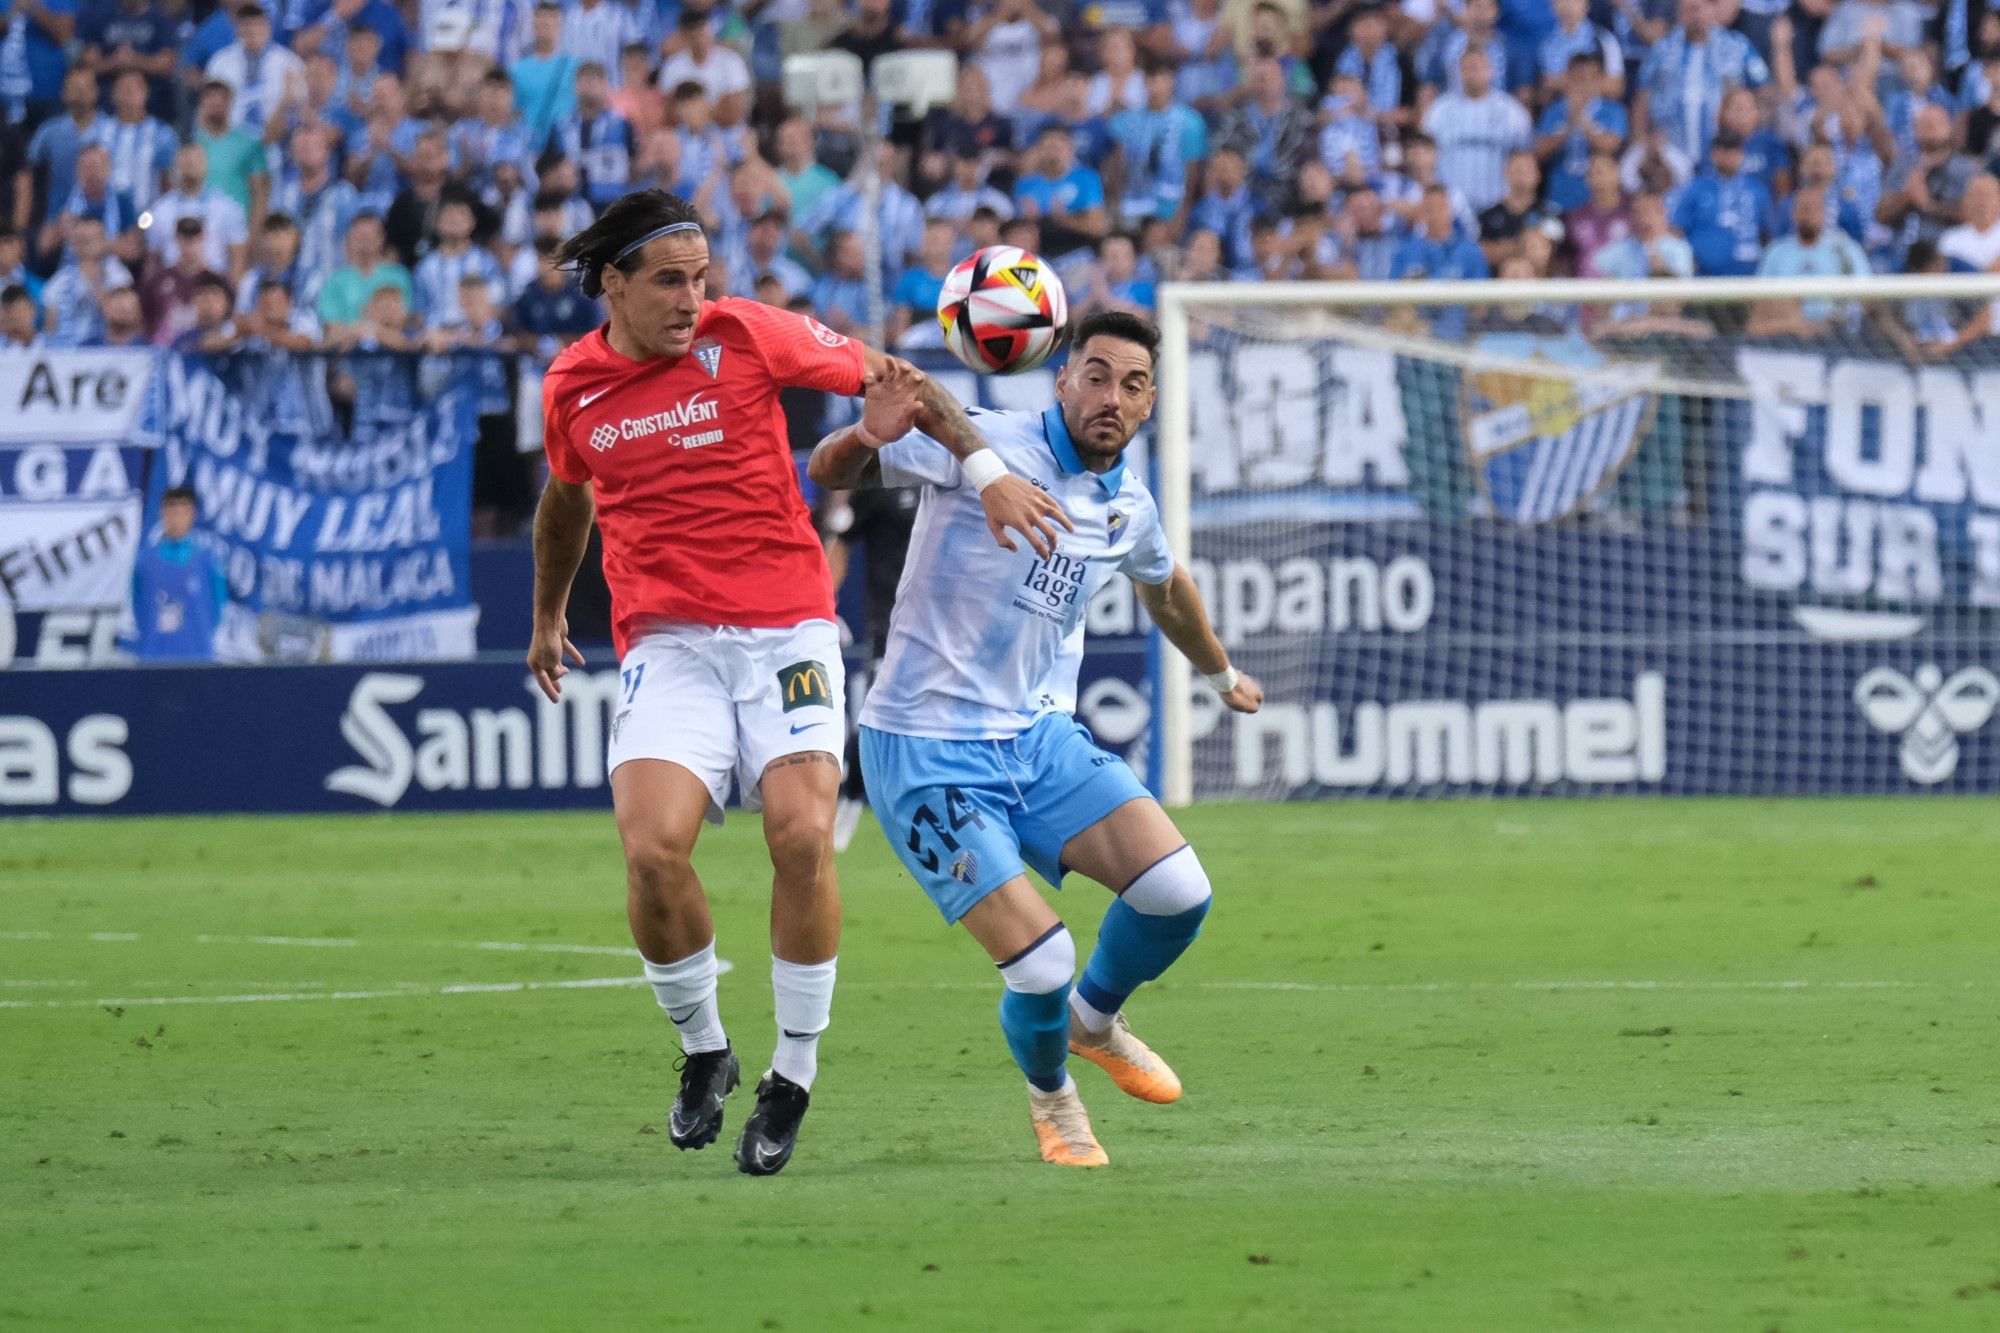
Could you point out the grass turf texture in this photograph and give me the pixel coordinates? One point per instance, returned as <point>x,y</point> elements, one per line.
<point>1396,1117</point>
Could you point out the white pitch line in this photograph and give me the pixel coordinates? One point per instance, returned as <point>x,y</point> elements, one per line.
<point>515,946</point>
<point>1448,987</point>
<point>301,941</point>
<point>289,997</point>
<point>25,935</point>
<point>28,984</point>
<point>113,936</point>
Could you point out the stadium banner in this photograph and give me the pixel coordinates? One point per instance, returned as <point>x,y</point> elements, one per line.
<point>335,548</point>
<point>74,426</point>
<point>1544,719</point>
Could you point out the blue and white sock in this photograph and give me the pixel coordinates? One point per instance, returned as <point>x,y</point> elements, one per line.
<point>802,1000</point>
<point>1154,920</point>
<point>1034,1012</point>
<point>685,988</point>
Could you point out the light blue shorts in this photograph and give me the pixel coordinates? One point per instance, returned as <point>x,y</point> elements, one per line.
<point>965,815</point>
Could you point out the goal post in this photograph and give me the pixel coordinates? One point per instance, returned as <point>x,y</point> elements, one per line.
<point>1566,537</point>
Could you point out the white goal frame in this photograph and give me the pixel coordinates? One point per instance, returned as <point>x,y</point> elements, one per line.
<point>1174,447</point>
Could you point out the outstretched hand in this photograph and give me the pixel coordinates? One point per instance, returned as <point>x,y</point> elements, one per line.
<point>1246,696</point>
<point>890,402</point>
<point>546,652</point>
<point>1012,502</point>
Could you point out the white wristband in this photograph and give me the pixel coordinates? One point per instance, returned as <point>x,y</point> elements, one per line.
<point>983,469</point>
<point>1225,680</point>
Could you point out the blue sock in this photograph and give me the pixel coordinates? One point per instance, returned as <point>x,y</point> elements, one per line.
<point>1133,949</point>
<point>1037,1028</point>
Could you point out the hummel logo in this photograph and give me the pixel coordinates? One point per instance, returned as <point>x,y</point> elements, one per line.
<point>587,399</point>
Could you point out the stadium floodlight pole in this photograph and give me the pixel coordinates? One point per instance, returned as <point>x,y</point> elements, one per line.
<point>1174,447</point>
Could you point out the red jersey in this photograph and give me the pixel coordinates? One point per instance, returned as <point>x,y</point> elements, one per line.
<point>697,495</point>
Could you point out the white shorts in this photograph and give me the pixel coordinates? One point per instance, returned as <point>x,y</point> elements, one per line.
<point>724,702</point>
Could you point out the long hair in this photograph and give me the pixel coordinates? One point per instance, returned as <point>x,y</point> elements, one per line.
<point>627,220</point>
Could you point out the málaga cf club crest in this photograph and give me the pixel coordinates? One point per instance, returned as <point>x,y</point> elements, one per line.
<point>1544,445</point>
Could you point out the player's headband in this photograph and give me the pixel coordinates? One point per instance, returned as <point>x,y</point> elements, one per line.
<point>652,236</point>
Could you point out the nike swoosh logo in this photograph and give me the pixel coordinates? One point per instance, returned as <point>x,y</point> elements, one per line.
<point>587,399</point>
<point>807,727</point>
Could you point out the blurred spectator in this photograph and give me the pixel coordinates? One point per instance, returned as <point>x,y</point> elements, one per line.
<point>1574,36</point>
<point>1372,60</point>
<point>54,149</point>
<point>868,34</point>
<point>1898,25</point>
<point>381,391</point>
<point>1520,211</point>
<point>1063,195</point>
<point>705,149</point>
<point>262,75</point>
<point>1726,213</point>
<point>327,29</point>
<point>411,222</point>
<point>321,205</point>
<point>91,197</point>
<point>13,268</point>
<point>803,177</point>
<point>551,313</point>
<point>495,135</point>
<point>967,192</point>
<point>124,322</point>
<point>638,98</point>
<point>1435,249</point>
<point>71,316</point>
<point>1765,155</point>
<point>899,218</point>
<point>345,294</point>
<point>1926,192</point>
<point>969,125</point>
<point>1271,259</point>
<point>1653,250</point>
<point>1350,144</point>
<point>840,293</point>
<point>1973,246</point>
<point>135,37</point>
<point>1475,131</point>
<point>914,301</point>
<point>277,261</point>
<point>765,252</point>
<point>1813,250</point>
<point>178,589</point>
<point>1601,220</point>
<point>1686,74</point>
<point>274,324</point>
<point>599,140</point>
<point>1226,207</point>
<point>1403,191</point>
<point>595,31</point>
<point>1202,49</point>
<point>1201,256</point>
<point>168,293</point>
<point>17,318</point>
<point>1369,236</point>
<point>502,497</point>
<point>545,78</point>
<point>1982,123</point>
<point>1042,100</point>
<point>440,273</point>
<point>35,58</point>
<point>1160,147</point>
<point>225,232</point>
<point>1441,60</point>
<point>141,146</point>
<point>1272,131</point>
<point>1578,123</point>
<point>1125,287</point>
<point>719,70</point>
<point>233,160</point>
<point>1004,39</point>
<point>1118,84</point>
<point>1816,175</point>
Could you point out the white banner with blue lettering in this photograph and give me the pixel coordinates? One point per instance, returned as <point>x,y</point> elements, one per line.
<point>335,546</point>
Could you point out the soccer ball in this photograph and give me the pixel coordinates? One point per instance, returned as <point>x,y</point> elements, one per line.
<point>1003,311</point>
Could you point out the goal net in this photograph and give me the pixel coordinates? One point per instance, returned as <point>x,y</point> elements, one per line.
<point>1570,537</point>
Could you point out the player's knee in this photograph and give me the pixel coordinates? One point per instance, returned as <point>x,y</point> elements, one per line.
<point>1173,885</point>
<point>1049,964</point>
<point>659,867</point>
<point>800,841</point>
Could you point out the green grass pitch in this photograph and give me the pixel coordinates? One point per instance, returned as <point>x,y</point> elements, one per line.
<point>1620,1065</point>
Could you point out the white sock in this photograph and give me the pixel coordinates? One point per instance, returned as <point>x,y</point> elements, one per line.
<point>685,988</point>
<point>802,995</point>
<point>1093,1019</point>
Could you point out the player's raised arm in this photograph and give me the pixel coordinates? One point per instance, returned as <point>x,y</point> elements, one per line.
<point>1176,607</point>
<point>847,460</point>
<point>562,528</point>
<point>1009,501</point>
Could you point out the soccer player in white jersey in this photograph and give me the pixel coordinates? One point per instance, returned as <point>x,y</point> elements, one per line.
<point>977,768</point>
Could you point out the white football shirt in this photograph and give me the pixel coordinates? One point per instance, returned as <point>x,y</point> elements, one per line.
<point>985,641</point>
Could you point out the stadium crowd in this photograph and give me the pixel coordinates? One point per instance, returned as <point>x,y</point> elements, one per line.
<point>352,175</point>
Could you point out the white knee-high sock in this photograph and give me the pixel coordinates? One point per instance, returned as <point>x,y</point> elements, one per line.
<point>803,1004</point>
<point>685,988</point>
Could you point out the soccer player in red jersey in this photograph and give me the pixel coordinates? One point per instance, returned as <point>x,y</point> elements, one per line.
<point>664,425</point>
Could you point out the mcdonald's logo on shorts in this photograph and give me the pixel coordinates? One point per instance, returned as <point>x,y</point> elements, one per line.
<point>804,685</point>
